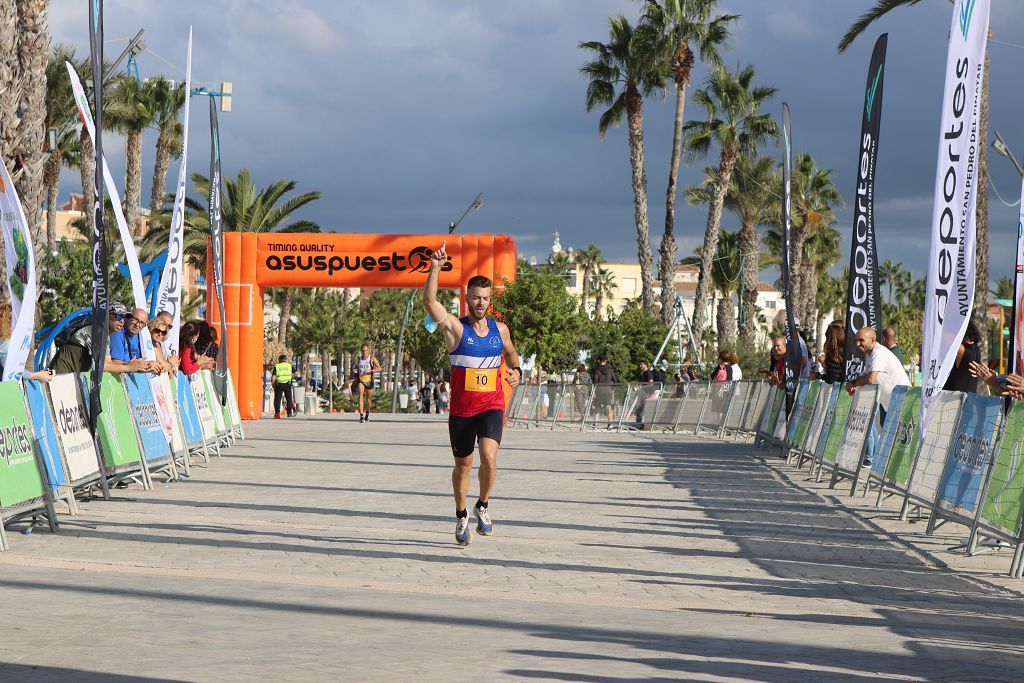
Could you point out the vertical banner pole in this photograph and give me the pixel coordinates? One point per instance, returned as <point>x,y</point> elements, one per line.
<point>100,294</point>
<point>793,355</point>
<point>1016,364</point>
<point>862,301</point>
<point>217,249</point>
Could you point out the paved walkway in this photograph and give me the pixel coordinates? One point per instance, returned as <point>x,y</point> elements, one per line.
<point>322,550</point>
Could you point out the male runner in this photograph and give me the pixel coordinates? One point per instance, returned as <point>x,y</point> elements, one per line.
<point>366,366</point>
<point>477,344</point>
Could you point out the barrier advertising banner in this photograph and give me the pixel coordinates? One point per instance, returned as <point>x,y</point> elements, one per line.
<point>859,421</point>
<point>19,476</point>
<point>42,421</point>
<point>188,412</point>
<point>213,401</point>
<point>889,431</point>
<point>970,453</point>
<point>1017,326</point>
<point>931,459</point>
<point>837,427</point>
<point>950,283</point>
<point>167,406</point>
<point>822,413</point>
<point>116,431</point>
<point>72,422</point>
<point>906,440</point>
<point>1004,497</point>
<point>807,409</point>
<point>147,420</point>
<point>21,275</point>
<point>197,386</point>
<point>862,300</point>
<point>169,295</point>
<point>798,409</point>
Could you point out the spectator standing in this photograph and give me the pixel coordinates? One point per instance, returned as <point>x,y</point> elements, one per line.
<point>889,342</point>
<point>604,392</point>
<point>881,367</point>
<point>835,350</point>
<point>960,377</point>
<point>735,371</point>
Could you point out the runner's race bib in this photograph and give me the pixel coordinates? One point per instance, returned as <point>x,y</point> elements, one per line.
<point>482,379</point>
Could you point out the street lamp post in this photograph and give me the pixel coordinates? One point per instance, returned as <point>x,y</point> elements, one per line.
<point>475,205</point>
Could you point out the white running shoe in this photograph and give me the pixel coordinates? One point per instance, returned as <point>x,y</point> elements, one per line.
<point>483,520</point>
<point>462,533</point>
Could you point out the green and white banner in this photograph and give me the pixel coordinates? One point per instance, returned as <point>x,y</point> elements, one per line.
<point>1004,498</point>
<point>21,275</point>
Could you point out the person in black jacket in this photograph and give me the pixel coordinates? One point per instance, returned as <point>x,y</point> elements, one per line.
<point>604,392</point>
<point>835,348</point>
<point>960,377</point>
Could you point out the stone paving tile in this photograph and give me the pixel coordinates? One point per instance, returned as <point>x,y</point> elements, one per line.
<point>321,549</point>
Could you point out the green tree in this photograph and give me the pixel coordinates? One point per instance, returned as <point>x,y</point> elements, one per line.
<point>978,315</point>
<point>1003,288</point>
<point>732,105</point>
<point>889,275</point>
<point>621,74</point>
<point>65,283</point>
<point>752,197</point>
<point>166,100</point>
<point>686,27</point>
<point>130,113</point>
<point>543,318</point>
<point>642,332</point>
<point>60,110</point>
<point>725,278</point>
<point>588,260</point>
<point>814,196</point>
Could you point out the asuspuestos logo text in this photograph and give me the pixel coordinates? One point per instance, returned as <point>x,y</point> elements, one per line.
<point>416,261</point>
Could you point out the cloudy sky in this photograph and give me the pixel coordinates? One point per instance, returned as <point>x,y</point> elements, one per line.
<point>400,111</point>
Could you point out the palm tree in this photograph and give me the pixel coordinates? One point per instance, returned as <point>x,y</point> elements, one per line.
<point>877,11</point>
<point>60,111</point>
<point>166,101</point>
<point>685,26</point>
<point>888,274</point>
<point>130,114</point>
<point>734,120</point>
<point>1003,288</point>
<point>622,73</point>
<point>33,39</point>
<point>831,295</point>
<point>243,209</point>
<point>813,197</point>
<point>587,260</point>
<point>559,263</point>
<point>725,277</point>
<point>753,199</point>
<point>820,253</point>
<point>604,286</point>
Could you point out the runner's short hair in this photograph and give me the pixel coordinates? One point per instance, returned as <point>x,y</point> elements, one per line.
<point>282,358</point>
<point>479,281</point>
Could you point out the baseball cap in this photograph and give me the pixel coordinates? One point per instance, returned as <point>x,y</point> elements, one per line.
<point>118,308</point>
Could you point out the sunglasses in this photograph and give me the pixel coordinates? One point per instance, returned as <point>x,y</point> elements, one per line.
<point>159,331</point>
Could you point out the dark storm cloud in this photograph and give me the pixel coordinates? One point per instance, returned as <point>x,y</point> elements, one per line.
<point>400,112</point>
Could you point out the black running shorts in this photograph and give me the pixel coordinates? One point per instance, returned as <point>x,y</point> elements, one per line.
<point>465,432</point>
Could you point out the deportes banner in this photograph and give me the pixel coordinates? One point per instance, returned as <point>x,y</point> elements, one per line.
<point>1017,333</point>
<point>169,295</point>
<point>217,247</point>
<point>862,291</point>
<point>100,294</point>
<point>793,355</point>
<point>950,288</point>
<point>21,275</point>
<point>72,423</point>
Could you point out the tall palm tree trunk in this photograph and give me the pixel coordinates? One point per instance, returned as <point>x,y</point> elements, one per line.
<point>286,317</point>
<point>158,193</point>
<point>726,319</point>
<point>87,169</point>
<point>748,240</point>
<point>980,313</point>
<point>33,48</point>
<point>635,119</point>
<point>51,181</point>
<point>667,265</point>
<point>710,248</point>
<point>132,178</point>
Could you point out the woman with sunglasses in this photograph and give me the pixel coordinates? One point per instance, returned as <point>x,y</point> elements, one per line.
<point>158,330</point>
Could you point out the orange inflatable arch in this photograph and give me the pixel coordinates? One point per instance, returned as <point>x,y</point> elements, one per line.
<point>253,261</point>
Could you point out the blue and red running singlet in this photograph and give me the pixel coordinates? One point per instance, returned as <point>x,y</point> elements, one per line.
<point>476,371</point>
